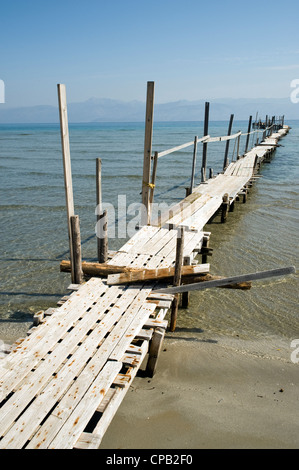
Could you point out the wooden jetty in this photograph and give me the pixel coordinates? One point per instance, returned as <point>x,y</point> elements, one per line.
<point>63,383</point>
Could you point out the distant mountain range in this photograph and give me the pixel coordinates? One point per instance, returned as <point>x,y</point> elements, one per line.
<point>109,110</point>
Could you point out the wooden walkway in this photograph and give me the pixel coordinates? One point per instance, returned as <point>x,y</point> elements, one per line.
<point>62,385</point>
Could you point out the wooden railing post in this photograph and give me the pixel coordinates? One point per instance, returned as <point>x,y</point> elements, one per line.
<point>248,134</point>
<point>205,145</point>
<point>238,146</point>
<point>193,165</point>
<point>230,125</point>
<point>149,115</point>
<point>153,183</point>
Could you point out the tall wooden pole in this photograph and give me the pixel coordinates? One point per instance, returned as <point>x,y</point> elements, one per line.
<point>230,125</point>
<point>248,135</point>
<point>148,137</point>
<point>65,143</point>
<point>205,145</point>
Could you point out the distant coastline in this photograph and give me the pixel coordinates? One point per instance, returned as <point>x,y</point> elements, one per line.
<point>109,110</point>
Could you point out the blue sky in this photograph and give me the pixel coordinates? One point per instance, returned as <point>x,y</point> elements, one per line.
<point>110,49</point>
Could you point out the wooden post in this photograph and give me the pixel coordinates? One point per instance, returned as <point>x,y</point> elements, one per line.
<point>205,145</point>
<point>185,295</point>
<point>103,237</point>
<point>188,189</point>
<point>177,276</point>
<point>193,165</point>
<point>238,146</point>
<point>248,135</point>
<point>77,258</point>
<point>99,201</point>
<point>230,125</point>
<point>225,207</point>
<point>154,351</point>
<point>145,213</point>
<point>153,183</point>
<point>205,249</point>
<point>65,144</point>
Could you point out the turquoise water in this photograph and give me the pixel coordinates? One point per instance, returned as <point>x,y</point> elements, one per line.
<point>259,235</point>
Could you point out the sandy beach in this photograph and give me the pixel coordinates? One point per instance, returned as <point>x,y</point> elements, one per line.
<point>218,393</point>
<point>210,392</point>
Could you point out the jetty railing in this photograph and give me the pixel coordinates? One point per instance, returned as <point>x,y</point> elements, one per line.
<point>205,140</point>
<point>149,177</point>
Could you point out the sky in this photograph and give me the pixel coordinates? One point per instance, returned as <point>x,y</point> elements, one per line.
<point>110,49</point>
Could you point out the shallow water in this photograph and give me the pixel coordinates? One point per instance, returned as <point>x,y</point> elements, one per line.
<point>258,235</point>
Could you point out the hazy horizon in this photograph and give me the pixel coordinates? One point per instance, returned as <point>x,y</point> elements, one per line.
<point>192,51</point>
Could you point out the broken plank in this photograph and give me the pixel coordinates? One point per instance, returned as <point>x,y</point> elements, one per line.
<point>229,280</point>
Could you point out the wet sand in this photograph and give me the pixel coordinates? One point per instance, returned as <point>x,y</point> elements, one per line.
<point>209,392</point>
<point>222,393</point>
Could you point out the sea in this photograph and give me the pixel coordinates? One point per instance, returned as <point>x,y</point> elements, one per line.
<point>259,235</point>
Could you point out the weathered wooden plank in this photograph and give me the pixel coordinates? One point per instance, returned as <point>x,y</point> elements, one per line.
<point>141,237</point>
<point>46,336</point>
<point>40,376</point>
<point>187,211</point>
<point>139,320</point>
<point>154,274</point>
<point>110,409</point>
<point>75,424</point>
<point>229,280</point>
<point>126,303</point>
<point>102,269</point>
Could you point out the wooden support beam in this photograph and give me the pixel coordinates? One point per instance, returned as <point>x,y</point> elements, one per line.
<point>177,276</point>
<point>66,155</point>
<point>148,137</point>
<point>96,269</point>
<point>132,274</point>
<point>154,274</point>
